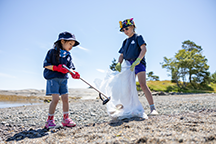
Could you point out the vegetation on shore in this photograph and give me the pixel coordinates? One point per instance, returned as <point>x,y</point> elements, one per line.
<point>168,86</point>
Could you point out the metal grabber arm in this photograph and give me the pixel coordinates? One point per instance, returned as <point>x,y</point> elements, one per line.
<point>100,93</point>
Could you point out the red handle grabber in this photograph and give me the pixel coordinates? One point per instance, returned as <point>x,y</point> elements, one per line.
<point>100,93</point>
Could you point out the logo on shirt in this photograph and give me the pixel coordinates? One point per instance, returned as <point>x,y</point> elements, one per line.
<point>68,59</point>
<point>132,42</point>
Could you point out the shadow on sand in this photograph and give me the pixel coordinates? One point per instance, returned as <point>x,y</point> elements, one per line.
<point>33,133</point>
<point>117,122</point>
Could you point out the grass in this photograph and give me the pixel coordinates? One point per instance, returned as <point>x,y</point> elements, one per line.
<point>168,86</point>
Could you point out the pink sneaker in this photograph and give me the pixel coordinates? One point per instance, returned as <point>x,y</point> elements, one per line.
<point>50,124</point>
<point>68,123</point>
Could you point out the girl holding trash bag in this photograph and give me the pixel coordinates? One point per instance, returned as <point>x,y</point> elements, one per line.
<point>133,49</point>
<point>57,76</point>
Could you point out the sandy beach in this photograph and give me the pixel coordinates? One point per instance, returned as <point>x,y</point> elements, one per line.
<point>183,119</point>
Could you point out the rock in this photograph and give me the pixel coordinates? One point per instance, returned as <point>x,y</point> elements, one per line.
<point>180,140</point>
<point>181,118</point>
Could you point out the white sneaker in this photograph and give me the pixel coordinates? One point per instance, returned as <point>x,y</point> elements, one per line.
<point>153,113</point>
<point>145,116</point>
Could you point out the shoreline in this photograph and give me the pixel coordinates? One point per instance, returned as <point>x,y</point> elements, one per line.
<point>34,96</point>
<point>76,93</point>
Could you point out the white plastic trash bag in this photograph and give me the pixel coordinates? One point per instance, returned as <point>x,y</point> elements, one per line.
<point>121,87</point>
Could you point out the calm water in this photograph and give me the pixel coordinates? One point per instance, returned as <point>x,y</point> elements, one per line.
<point>15,104</point>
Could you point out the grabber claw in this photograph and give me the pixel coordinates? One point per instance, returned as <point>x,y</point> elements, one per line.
<point>104,101</point>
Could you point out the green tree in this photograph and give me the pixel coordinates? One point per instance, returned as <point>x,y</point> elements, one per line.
<point>112,66</point>
<point>213,77</point>
<point>170,65</point>
<point>152,77</point>
<point>188,64</point>
<point>189,46</point>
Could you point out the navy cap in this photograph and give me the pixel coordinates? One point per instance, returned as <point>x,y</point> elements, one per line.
<point>68,36</point>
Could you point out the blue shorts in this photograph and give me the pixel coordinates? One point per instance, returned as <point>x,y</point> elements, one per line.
<point>139,68</point>
<point>56,86</point>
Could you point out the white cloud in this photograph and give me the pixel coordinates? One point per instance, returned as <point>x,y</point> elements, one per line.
<point>82,48</point>
<point>6,75</point>
<point>100,70</point>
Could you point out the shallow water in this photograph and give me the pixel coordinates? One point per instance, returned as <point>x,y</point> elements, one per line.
<point>6,104</point>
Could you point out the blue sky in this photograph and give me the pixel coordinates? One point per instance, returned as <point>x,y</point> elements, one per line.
<point>28,30</point>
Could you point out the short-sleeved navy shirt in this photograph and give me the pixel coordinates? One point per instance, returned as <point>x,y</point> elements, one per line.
<point>51,60</point>
<point>131,48</point>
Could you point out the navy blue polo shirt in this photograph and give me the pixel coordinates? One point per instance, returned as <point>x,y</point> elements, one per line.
<point>131,48</point>
<point>51,60</point>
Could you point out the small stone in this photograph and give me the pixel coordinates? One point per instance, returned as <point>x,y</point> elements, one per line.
<point>19,137</point>
<point>180,140</point>
<point>53,131</point>
<point>30,129</point>
<point>20,112</point>
<point>93,114</point>
<point>3,122</point>
<point>8,125</point>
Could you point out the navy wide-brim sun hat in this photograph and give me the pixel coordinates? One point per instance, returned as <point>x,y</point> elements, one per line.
<point>68,36</point>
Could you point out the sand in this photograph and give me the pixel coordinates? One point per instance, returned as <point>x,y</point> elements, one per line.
<point>181,119</point>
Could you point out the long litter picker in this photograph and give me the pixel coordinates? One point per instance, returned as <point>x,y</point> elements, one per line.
<point>100,93</point>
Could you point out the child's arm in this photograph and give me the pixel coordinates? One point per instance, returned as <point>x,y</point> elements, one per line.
<point>58,68</point>
<point>143,51</point>
<point>120,58</point>
<point>141,55</point>
<point>49,67</point>
<point>118,65</point>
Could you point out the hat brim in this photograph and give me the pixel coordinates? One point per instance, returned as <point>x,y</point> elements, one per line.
<point>76,42</point>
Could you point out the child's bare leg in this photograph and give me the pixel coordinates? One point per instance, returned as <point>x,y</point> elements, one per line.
<point>146,90</point>
<point>50,121</point>
<point>53,104</point>
<point>144,87</point>
<point>66,120</point>
<point>65,102</point>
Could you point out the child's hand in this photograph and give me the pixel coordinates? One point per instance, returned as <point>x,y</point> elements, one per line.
<point>59,68</point>
<point>76,75</point>
<point>135,64</point>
